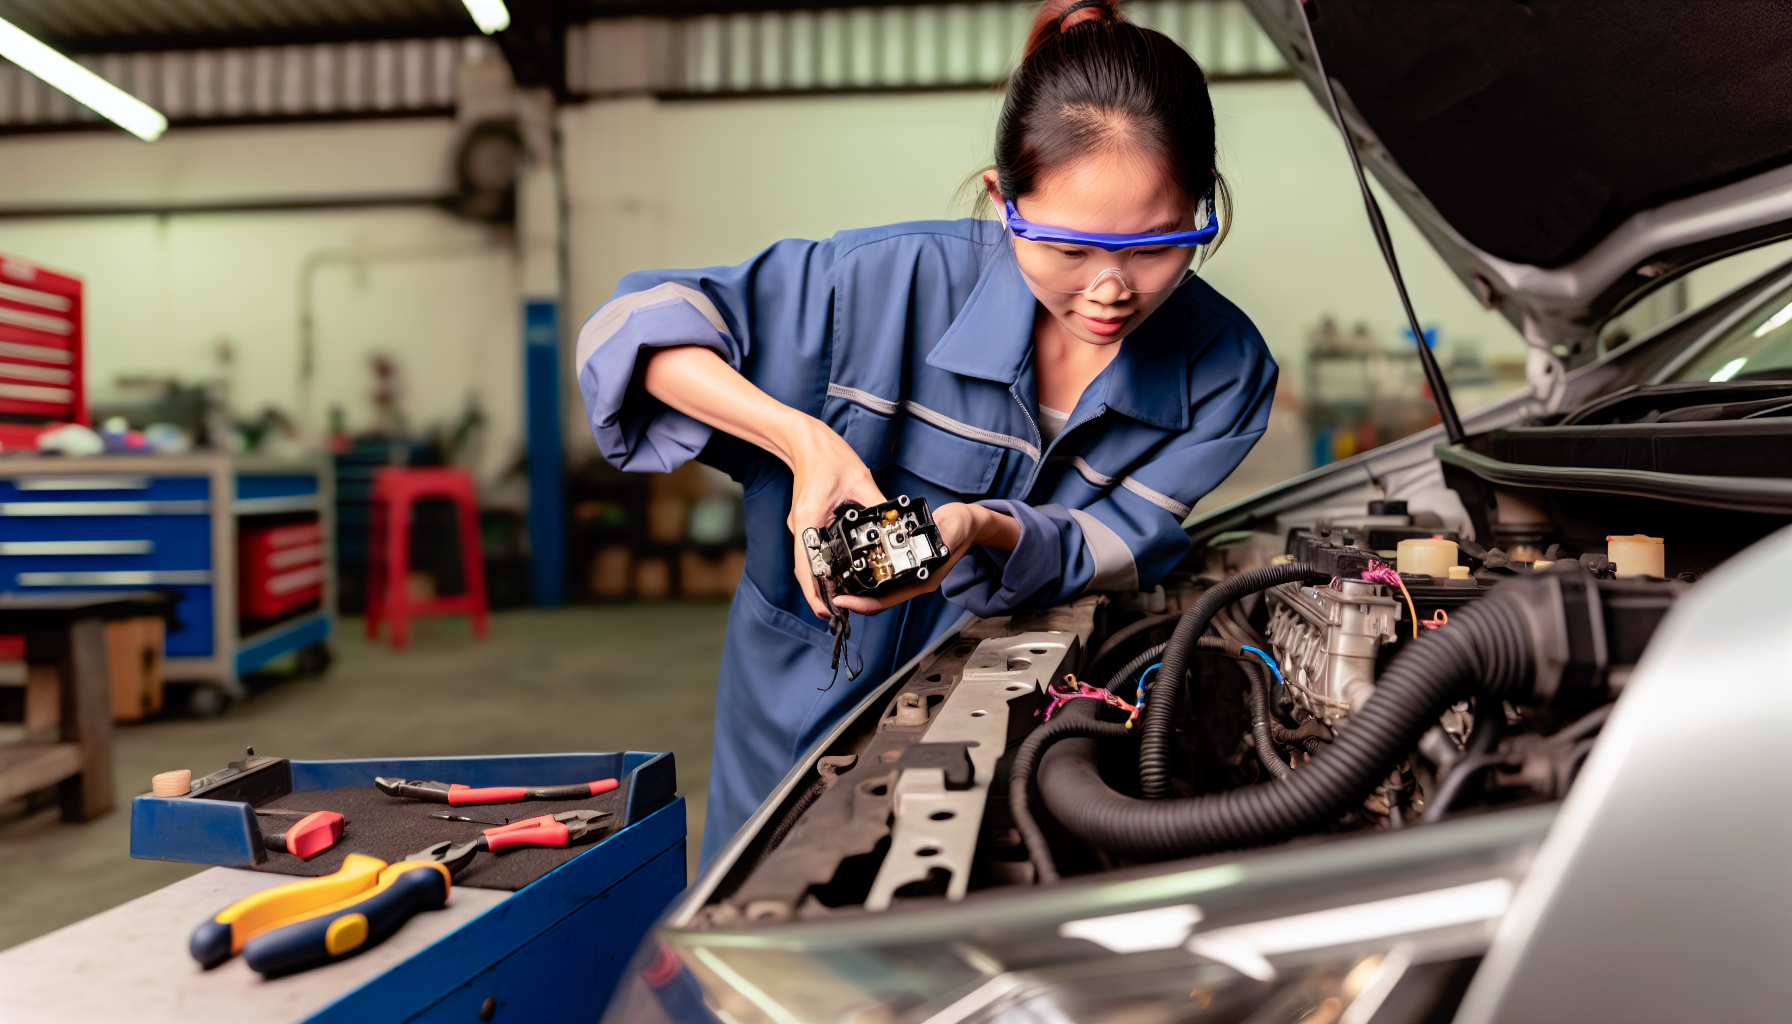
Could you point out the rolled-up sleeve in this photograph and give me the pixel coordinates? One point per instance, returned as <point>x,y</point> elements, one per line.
<point>1131,536</point>
<point>736,312</point>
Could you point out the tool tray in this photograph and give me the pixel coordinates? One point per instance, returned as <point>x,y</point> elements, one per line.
<point>579,915</point>
<point>215,822</point>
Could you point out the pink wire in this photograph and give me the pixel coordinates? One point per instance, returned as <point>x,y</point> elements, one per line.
<point>1063,697</point>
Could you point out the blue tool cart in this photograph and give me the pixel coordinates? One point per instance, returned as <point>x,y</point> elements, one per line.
<point>170,523</point>
<point>553,949</point>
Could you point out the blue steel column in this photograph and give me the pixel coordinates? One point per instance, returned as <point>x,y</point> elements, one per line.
<point>547,504</point>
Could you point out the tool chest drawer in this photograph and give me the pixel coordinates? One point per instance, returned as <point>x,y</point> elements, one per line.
<point>275,492</point>
<point>105,530</point>
<point>172,523</point>
<point>581,945</point>
<point>106,542</point>
<point>130,494</point>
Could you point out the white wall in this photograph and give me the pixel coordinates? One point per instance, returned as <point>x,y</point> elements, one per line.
<point>163,292</point>
<point>650,185</point>
<point>703,183</point>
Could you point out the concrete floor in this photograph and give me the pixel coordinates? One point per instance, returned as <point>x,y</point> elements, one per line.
<point>619,677</point>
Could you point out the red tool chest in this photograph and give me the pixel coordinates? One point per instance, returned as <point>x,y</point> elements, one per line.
<point>281,568</point>
<point>41,345</point>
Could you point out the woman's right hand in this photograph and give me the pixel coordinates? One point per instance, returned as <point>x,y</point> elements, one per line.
<point>826,472</point>
<point>695,381</point>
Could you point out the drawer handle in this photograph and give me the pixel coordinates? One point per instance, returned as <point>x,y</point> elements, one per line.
<point>82,483</point>
<point>122,578</point>
<point>77,547</point>
<point>103,508</point>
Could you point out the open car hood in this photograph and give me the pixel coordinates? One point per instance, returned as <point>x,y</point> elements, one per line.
<point>1564,156</point>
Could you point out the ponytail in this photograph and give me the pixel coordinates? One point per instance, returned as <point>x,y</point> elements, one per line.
<point>1055,16</point>
<point>1090,80</point>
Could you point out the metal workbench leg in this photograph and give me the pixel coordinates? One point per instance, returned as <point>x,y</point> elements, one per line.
<point>87,719</point>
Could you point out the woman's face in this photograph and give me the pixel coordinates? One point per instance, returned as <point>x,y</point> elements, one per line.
<point>1121,191</point>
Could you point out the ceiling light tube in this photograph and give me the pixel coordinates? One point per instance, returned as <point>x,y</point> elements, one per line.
<point>107,100</point>
<point>490,15</point>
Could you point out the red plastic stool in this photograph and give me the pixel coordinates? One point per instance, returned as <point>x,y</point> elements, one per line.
<point>396,491</point>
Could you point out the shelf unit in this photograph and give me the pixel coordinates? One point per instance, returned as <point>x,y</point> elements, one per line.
<point>167,523</point>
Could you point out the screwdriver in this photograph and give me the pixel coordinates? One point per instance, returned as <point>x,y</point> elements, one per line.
<point>312,834</point>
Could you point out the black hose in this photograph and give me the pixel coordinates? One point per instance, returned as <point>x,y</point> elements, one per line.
<point>1485,653</point>
<point>1125,633</point>
<point>1160,717</point>
<point>1230,626</point>
<point>1026,759</point>
<point>1131,669</point>
<point>1267,751</point>
<point>1483,744</point>
<point>1026,762</point>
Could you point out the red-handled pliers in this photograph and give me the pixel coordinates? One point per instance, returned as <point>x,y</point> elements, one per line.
<point>555,830</point>
<point>458,795</point>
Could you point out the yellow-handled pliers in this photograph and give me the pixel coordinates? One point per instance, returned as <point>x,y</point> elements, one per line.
<point>304,924</point>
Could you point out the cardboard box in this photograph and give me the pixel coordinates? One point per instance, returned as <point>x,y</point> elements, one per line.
<point>134,656</point>
<point>612,572</point>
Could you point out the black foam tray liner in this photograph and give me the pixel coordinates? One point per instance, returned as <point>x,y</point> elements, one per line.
<point>391,828</point>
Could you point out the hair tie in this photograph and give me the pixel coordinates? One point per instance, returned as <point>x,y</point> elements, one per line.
<point>1079,5</point>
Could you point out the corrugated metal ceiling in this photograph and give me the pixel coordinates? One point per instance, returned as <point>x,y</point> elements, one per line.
<point>114,26</point>
<point>91,26</point>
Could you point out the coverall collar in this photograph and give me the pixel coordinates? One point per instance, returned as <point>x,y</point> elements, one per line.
<point>992,339</point>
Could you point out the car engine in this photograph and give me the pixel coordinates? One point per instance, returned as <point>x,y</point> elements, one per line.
<point>1331,689</point>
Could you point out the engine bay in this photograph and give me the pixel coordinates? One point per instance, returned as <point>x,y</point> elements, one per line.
<point>1378,672</point>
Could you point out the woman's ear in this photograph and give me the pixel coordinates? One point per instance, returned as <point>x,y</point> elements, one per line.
<point>992,185</point>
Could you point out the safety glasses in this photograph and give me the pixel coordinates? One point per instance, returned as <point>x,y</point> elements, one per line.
<point>1072,262</point>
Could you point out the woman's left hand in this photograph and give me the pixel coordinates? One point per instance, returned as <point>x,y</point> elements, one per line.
<point>961,526</point>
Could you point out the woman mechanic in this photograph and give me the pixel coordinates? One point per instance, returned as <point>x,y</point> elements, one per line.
<point>1055,382</point>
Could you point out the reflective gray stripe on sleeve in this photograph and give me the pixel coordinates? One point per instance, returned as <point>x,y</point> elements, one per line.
<point>615,313</point>
<point>1114,567</point>
<point>885,407</point>
<point>881,406</point>
<point>1091,474</point>
<point>1161,500</point>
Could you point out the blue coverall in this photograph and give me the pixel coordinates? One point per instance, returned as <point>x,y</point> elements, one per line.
<point>915,343</point>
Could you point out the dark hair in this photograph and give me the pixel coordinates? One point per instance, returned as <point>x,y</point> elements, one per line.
<point>1089,80</point>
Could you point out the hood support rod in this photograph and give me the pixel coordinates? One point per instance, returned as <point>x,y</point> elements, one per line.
<point>1440,391</point>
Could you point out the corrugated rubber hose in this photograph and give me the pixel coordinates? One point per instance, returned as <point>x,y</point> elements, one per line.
<point>1062,726</point>
<point>1160,717</point>
<point>1485,653</point>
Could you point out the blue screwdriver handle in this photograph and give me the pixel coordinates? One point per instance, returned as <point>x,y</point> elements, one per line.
<point>352,926</point>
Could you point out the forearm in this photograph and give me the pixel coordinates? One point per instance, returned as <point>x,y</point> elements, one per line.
<point>698,383</point>
<point>994,529</point>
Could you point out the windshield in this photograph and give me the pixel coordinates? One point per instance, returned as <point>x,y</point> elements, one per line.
<point>1759,347</point>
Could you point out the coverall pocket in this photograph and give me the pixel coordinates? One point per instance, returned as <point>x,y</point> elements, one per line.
<point>770,616</point>
<point>957,465</point>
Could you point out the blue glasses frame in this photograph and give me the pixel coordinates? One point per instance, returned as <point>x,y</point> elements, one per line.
<point>1024,228</point>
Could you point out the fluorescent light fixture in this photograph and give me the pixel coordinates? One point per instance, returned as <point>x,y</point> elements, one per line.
<point>490,15</point>
<point>107,100</point>
<point>1730,369</point>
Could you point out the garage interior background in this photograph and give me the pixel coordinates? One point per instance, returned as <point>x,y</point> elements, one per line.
<point>306,180</point>
<point>309,246</point>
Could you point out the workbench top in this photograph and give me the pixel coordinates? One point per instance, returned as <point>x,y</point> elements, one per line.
<point>131,962</point>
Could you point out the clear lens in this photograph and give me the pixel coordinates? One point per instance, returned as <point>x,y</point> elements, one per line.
<point>1077,270</point>
<point>712,986</point>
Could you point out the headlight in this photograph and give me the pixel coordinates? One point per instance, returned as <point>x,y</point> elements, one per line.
<point>1339,965</point>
